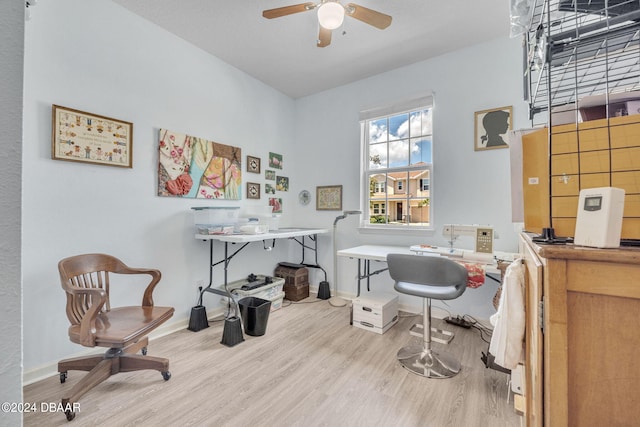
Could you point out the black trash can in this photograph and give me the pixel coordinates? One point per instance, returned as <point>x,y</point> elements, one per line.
<point>255,314</point>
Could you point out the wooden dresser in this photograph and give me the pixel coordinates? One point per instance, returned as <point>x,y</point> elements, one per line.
<point>582,336</point>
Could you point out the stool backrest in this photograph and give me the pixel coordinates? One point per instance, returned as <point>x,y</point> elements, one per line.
<point>410,270</point>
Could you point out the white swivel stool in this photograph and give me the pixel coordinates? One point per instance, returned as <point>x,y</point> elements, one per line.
<point>430,278</point>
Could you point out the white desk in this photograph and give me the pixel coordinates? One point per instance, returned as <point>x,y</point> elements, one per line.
<point>367,253</point>
<point>374,252</point>
<point>269,241</point>
<point>282,233</point>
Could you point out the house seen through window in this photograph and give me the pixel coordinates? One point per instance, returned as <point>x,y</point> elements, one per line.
<point>397,168</point>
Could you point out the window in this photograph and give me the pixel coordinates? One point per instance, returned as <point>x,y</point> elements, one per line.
<point>378,208</point>
<point>397,166</point>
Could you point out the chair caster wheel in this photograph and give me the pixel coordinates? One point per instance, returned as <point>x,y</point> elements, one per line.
<point>166,375</point>
<point>70,415</point>
<point>63,377</point>
<point>144,351</point>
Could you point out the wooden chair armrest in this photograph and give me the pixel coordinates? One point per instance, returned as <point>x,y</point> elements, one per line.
<point>147,298</point>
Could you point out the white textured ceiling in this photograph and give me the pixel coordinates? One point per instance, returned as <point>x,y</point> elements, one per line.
<point>282,52</point>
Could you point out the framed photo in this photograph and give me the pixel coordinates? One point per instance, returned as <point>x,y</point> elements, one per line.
<point>253,190</point>
<point>491,127</point>
<point>78,136</point>
<point>269,189</point>
<point>282,183</point>
<point>276,204</point>
<point>275,160</point>
<point>253,164</point>
<point>329,198</point>
<point>270,175</point>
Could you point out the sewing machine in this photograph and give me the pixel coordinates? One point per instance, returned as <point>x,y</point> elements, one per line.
<point>482,235</point>
<point>483,243</point>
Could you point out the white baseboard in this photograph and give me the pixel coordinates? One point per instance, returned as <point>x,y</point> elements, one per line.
<point>50,369</point>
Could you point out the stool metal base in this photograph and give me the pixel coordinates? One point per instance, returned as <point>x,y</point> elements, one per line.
<point>429,363</point>
<point>437,335</point>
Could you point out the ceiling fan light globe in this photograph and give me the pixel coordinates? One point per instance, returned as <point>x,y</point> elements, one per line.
<point>331,15</point>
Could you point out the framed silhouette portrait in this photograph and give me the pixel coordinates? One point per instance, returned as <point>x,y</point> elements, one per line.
<point>491,128</point>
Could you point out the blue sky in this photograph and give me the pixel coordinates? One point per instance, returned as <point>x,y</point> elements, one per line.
<point>398,132</point>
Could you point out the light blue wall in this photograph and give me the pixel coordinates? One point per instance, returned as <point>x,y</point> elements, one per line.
<point>98,57</point>
<point>95,56</point>
<point>469,187</point>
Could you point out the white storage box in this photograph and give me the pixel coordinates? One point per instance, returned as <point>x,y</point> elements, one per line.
<point>376,312</point>
<point>268,291</point>
<point>215,220</point>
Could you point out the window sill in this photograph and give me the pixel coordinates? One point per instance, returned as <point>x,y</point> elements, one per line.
<point>428,231</point>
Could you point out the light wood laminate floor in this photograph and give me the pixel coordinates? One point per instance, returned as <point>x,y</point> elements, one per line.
<point>311,368</point>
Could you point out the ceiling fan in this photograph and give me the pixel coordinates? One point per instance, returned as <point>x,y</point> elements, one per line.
<point>331,15</point>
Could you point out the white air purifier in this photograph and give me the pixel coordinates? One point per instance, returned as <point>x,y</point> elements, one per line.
<point>599,221</point>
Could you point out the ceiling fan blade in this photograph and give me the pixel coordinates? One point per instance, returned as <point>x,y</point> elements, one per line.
<point>324,38</point>
<point>368,16</point>
<point>288,10</point>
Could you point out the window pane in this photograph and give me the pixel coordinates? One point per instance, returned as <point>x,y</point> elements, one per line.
<point>419,211</point>
<point>415,121</point>
<point>420,150</point>
<point>399,153</point>
<point>378,186</point>
<point>378,156</point>
<point>378,131</point>
<point>396,210</point>
<point>426,122</point>
<point>398,126</point>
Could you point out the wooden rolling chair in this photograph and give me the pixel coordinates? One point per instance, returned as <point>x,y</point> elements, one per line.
<point>124,330</point>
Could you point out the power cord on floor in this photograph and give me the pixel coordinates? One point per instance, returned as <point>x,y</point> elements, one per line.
<point>466,321</point>
<point>480,327</point>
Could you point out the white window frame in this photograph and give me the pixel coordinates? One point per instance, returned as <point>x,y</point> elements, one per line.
<point>421,103</point>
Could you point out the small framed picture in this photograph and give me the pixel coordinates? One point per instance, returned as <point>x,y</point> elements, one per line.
<point>253,190</point>
<point>282,183</point>
<point>491,127</point>
<point>253,164</point>
<point>276,204</point>
<point>329,198</point>
<point>269,175</point>
<point>269,189</point>
<point>275,160</point>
